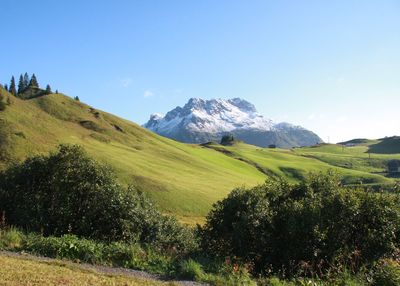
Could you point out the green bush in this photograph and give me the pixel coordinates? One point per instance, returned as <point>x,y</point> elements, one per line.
<point>386,273</point>
<point>191,269</point>
<point>119,254</point>
<point>10,238</point>
<point>67,246</point>
<point>69,193</point>
<point>305,228</point>
<point>275,281</point>
<point>128,255</point>
<point>227,140</point>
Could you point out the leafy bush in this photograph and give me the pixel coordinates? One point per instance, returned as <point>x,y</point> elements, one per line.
<point>66,246</point>
<point>128,255</point>
<point>10,238</point>
<point>227,140</point>
<point>69,193</point>
<point>304,228</point>
<point>121,254</point>
<point>191,269</point>
<point>275,281</point>
<point>386,273</point>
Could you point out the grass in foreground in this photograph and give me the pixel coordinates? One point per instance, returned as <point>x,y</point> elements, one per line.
<point>24,271</point>
<point>126,255</point>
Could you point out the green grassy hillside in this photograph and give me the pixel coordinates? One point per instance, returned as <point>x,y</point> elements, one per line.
<point>297,163</point>
<point>369,156</point>
<point>183,179</point>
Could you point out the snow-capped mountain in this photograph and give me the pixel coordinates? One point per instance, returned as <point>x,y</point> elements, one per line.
<point>201,121</point>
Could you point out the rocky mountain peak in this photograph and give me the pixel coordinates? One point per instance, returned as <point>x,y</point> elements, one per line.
<point>200,121</point>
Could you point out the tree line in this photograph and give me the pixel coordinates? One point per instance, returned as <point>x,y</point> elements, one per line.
<point>25,83</point>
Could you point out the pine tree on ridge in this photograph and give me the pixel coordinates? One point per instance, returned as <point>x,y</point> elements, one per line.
<point>21,84</point>
<point>26,79</point>
<point>13,89</point>
<point>33,82</point>
<point>48,89</point>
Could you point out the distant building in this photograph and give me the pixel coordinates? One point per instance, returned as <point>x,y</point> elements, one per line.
<point>272,146</point>
<point>393,166</point>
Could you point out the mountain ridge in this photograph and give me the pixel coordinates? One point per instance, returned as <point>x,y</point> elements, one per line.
<point>183,179</point>
<point>200,121</point>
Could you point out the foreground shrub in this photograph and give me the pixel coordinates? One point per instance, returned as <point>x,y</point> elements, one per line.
<point>128,255</point>
<point>191,269</point>
<point>10,238</point>
<point>305,228</point>
<point>386,273</point>
<point>69,193</point>
<point>120,254</point>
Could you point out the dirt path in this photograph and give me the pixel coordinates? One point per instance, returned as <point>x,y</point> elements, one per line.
<point>102,269</point>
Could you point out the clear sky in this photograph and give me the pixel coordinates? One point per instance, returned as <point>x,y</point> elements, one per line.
<point>331,66</point>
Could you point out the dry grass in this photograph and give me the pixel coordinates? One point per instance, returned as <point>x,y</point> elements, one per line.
<point>24,271</point>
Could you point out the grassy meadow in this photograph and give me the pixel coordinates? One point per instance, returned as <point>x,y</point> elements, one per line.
<point>184,179</point>
<point>40,272</point>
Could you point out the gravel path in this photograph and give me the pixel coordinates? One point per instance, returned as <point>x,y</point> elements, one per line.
<point>103,269</point>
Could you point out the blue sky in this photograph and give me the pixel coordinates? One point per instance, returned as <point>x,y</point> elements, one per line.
<point>331,66</point>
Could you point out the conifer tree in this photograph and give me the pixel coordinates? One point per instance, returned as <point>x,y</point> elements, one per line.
<point>76,98</point>
<point>6,87</point>
<point>13,89</point>
<point>26,79</point>
<point>48,89</point>
<point>21,84</point>
<point>33,82</point>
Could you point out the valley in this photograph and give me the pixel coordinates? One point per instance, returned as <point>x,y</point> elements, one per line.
<point>183,179</point>
<point>200,143</point>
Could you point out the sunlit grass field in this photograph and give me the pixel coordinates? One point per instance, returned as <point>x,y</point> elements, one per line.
<point>183,179</point>
<point>365,157</point>
<point>16,271</point>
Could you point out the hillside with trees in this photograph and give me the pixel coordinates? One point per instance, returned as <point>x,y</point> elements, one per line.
<point>28,87</point>
<point>183,179</point>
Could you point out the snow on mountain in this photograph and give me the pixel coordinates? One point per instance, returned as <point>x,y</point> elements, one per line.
<point>212,116</point>
<point>199,121</point>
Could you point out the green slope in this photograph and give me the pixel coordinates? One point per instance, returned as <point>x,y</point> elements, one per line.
<point>369,156</point>
<point>296,164</point>
<point>183,179</point>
